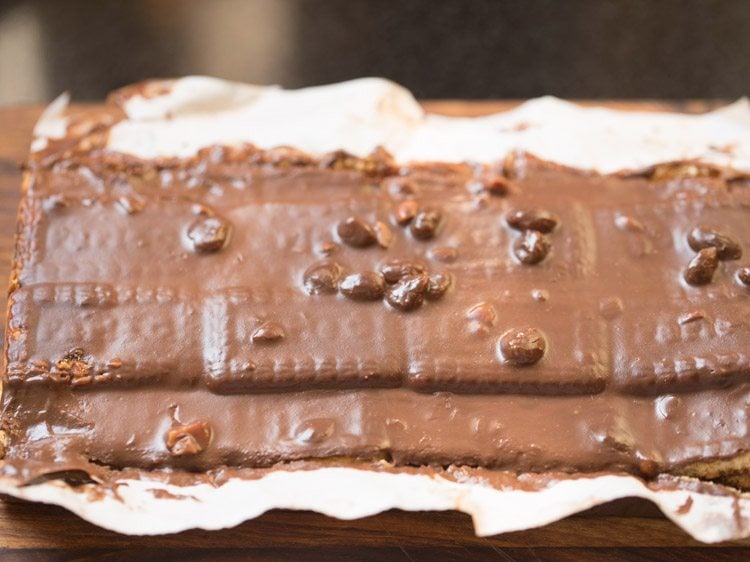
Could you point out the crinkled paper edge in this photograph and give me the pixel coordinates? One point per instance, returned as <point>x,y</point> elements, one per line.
<point>350,493</point>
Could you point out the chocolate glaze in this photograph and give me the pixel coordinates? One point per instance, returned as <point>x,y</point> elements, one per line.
<point>177,314</point>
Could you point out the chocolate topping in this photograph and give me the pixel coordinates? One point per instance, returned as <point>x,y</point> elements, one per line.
<point>598,358</point>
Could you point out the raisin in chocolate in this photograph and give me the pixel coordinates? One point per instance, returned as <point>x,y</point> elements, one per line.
<point>727,248</point>
<point>408,294</point>
<point>322,278</point>
<point>531,248</point>
<point>438,284</point>
<point>356,233</point>
<point>209,234</point>
<point>396,269</point>
<point>365,286</point>
<point>532,219</point>
<point>701,269</point>
<point>522,346</point>
<point>405,212</point>
<point>425,224</point>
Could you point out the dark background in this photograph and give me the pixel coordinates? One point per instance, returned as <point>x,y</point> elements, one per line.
<point>439,49</point>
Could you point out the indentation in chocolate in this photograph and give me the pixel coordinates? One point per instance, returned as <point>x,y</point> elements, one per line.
<point>365,286</point>
<point>540,295</point>
<point>130,204</point>
<point>522,346</point>
<point>532,219</point>
<point>383,234</point>
<point>701,269</point>
<point>408,293</point>
<point>114,363</point>
<point>445,254</point>
<point>190,439</point>
<point>425,224</point>
<point>667,406</point>
<point>322,278</point>
<point>743,275</point>
<point>394,270</point>
<point>54,202</point>
<point>400,187</point>
<point>531,247</point>
<point>315,431</point>
<point>405,211</point>
<point>267,332</point>
<point>692,316</point>
<point>437,285</point>
<point>209,234</point>
<point>702,237</point>
<point>355,232</point>
<point>491,184</point>
<point>328,249</point>
<point>628,224</point>
<point>611,307</point>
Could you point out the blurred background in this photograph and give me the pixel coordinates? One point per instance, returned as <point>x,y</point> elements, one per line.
<point>439,49</point>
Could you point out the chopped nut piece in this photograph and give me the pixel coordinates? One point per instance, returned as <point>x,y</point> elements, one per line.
<point>383,234</point>
<point>189,439</point>
<point>267,332</point>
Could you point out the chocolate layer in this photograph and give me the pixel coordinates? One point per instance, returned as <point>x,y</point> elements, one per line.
<point>246,307</point>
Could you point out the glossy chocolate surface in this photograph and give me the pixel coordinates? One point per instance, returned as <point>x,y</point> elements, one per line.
<point>244,308</point>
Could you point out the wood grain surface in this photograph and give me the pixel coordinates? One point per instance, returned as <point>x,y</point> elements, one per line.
<point>39,532</point>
